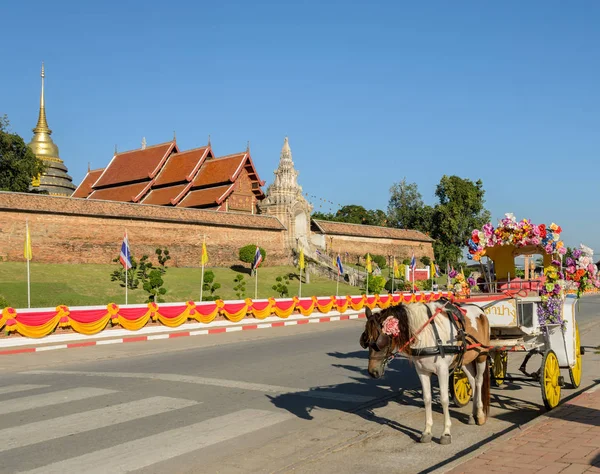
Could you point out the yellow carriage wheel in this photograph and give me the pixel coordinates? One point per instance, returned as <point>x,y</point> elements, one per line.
<point>575,371</point>
<point>460,388</point>
<point>499,367</point>
<point>549,374</point>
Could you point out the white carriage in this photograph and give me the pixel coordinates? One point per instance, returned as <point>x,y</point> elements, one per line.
<point>512,306</point>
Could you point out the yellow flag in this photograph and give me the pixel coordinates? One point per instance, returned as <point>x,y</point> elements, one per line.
<point>301,259</point>
<point>27,250</point>
<point>204,259</point>
<point>368,265</point>
<point>396,269</point>
<point>432,270</point>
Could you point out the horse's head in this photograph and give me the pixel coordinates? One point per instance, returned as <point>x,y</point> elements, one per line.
<point>381,345</point>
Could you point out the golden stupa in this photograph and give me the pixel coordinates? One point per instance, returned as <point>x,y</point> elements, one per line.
<point>55,179</point>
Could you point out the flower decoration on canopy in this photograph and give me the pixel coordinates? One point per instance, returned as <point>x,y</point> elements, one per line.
<point>581,272</point>
<point>518,233</point>
<point>552,294</point>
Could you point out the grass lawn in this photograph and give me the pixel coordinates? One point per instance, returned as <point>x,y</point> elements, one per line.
<point>82,285</point>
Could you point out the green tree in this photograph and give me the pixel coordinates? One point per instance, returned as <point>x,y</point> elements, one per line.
<point>119,274</point>
<point>376,284</point>
<point>18,164</point>
<point>246,253</point>
<point>459,211</point>
<point>209,287</point>
<point>240,286</point>
<point>425,260</point>
<point>354,214</point>
<point>153,285</point>
<point>281,285</point>
<point>406,209</point>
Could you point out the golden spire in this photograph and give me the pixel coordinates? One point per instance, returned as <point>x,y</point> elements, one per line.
<point>42,123</point>
<point>209,140</point>
<point>41,143</point>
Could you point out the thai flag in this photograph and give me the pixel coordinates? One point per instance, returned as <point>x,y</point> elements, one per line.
<point>438,272</point>
<point>125,255</point>
<point>339,266</point>
<point>257,259</point>
<point>413,262</point>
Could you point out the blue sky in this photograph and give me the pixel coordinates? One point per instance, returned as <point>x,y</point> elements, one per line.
<point>368,93</point>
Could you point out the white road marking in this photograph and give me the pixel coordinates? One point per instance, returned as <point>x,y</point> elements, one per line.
<point>153,449</point>
<point>237,384</point>
<point>52,398</point>
<point>19,388</point>
<point>47,430</point>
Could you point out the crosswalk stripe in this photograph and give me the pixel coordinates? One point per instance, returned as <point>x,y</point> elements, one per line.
<point>52,398</point>
<point>259,387</point>
<point>68,425</point>
<point>160,447</point>
<point>19,388</point>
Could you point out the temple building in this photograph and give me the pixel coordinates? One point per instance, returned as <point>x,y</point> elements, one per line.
<point>286,202</point>
<point>55,179</point>
<point>166,176</point>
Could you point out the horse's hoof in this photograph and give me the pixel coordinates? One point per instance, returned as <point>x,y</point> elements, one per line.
<point>446,439</point>
<point>471,420</point>
<point>425,438</point>
<point>481,420</point>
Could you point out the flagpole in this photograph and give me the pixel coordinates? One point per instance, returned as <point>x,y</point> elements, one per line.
<point>300,289</point>
<point>337,286</point>
<point>202,261</point>
<point>126,269</point>
<point>28,246</point>
<point>256,283</point>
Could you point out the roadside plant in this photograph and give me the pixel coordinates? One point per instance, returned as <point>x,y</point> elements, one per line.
<point>281,285</point>
<point>119,275</point>
<point>240,286</point>
<point>209,287</point>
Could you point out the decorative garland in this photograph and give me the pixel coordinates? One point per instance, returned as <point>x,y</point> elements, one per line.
<point>37,324</point>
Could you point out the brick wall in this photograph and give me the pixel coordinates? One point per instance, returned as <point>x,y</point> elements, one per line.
<point>67,230</point>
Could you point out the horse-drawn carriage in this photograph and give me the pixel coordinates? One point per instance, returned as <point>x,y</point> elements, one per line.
<point>533,315</point>
<point>466,342</point>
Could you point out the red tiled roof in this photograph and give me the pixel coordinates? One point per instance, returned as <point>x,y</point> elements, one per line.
<point>126,193</point>
<point>85,188</point>
<point>219,170</point>
<point>135,165</point>
<point>163,196</point>
<point>343,228</point>
<point>181,166</point>
<point>206,197</point>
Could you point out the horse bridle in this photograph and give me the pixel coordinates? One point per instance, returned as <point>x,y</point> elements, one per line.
<point>389,347</point>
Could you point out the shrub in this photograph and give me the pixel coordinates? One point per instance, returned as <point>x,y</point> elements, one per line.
<point>119,274</point>
<point>209,287</point>
<point>240,286</point>
<point>3,303</point>
<point>376,284</point>
<point>406,261</point>
<point>247,252</point>
<point>426,261</point>
<point>153,285</point>
<point>281,285</point>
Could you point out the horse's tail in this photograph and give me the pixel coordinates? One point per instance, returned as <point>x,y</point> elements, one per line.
<point>485,389</point>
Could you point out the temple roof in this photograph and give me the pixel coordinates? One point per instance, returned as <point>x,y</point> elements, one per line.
<point>135,165</point>
<point>206,197</point>
<point>125,193</point>
<point>360,230</point>
<point>85,188</point>
<point>182,166</point>
<point>220,170</point>
<point>163,196</point>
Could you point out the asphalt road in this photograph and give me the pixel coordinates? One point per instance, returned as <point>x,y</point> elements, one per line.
<point>290,399</point>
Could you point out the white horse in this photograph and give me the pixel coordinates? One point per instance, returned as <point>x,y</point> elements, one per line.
<point>422,332</point>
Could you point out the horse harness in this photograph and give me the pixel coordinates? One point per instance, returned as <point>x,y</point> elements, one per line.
<point>456,316</point>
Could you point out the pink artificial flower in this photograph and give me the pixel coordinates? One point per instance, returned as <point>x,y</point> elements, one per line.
<point>390,326</point>
<point>488,230</point>
<point>562,250</point>
<point>571,269</point>
<point>548,248</point>
<point>591,267</point>
<point>535,241</point>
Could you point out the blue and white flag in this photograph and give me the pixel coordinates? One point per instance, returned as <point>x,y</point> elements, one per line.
<point>125,255</point>
<point>413,262</point>
<point>257,259</point>
<point>339,266</point>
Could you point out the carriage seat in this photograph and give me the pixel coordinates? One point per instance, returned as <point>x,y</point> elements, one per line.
<point>517,284</point>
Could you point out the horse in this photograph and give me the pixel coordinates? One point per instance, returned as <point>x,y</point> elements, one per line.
<point>438,338</point>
